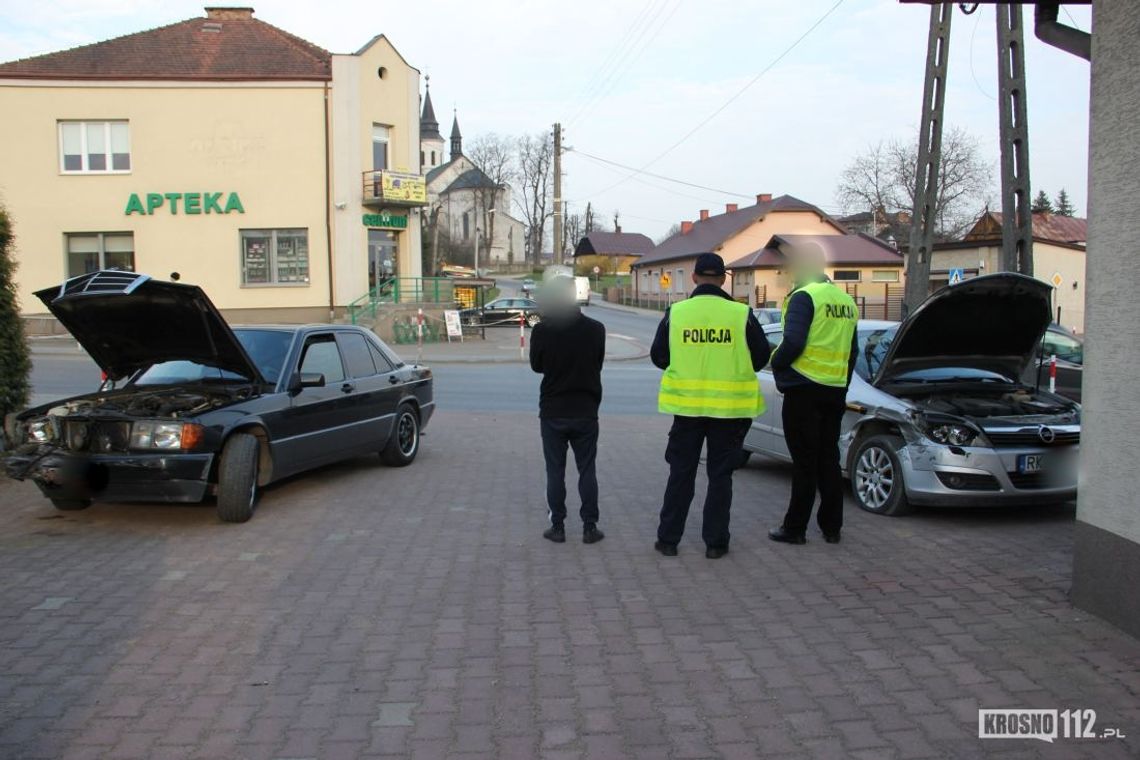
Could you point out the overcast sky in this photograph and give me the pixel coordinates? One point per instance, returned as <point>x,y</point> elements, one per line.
<point>630,78</point>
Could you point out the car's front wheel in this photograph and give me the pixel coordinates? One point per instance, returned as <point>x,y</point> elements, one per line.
<point>237,478</point>
<point>404,443</point>
<point>877,478</point>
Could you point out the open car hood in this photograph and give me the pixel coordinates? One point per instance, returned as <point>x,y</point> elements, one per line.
<point>128,322</point>
<point>993,322</point>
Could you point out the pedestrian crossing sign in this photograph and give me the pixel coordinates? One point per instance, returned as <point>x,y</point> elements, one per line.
<point>957,275</point>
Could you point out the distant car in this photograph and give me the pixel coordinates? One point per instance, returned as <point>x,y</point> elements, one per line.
<point>527,286</point>
<point>766,316</point>
<point>1070,353</point>
<point>205,409</point>
<point>504,311</point>
<point>582,290</point>
<point>938,412</point>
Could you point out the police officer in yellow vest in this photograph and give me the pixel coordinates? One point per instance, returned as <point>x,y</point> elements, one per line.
<point>812,367</point>
<point>711,348</point>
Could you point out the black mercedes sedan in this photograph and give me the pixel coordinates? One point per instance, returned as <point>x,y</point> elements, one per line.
<point>192,408</point>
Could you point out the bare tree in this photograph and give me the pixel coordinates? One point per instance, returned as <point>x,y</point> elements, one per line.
<point>534,160</point>
<point>492,154</point>
<point>572,234</point>
<point>881,181</point>
<point>674,230</point>
<point>589,224</point>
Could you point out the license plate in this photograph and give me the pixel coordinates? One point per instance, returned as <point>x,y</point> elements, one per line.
<point>1027,463</point>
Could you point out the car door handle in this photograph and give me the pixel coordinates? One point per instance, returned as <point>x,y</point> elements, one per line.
<point>347,388</point>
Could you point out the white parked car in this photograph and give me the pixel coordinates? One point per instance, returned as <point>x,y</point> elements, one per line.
<point>938,412</point>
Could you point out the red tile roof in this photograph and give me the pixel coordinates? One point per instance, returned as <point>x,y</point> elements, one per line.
<point>1046,227</point>
<point>709,234</point>
<point>614,244</point>
<point>229,44</point>
<point>840,250</point>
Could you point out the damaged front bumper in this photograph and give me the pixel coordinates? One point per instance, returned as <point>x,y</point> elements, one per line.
<point>164,477</point>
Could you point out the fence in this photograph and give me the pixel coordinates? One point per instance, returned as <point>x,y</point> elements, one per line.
<point>875,301</point>
<point>437,290</point>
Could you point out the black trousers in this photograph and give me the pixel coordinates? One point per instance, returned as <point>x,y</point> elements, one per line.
<point>725,439</point>
<point>813,416</point>
<point>581,435</point>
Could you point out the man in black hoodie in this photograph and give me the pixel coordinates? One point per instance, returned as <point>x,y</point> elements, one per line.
<point>568,348</point>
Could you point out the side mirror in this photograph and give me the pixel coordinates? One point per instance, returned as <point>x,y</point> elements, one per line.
<point>302,380</point>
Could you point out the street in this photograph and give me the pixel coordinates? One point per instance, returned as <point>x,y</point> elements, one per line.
<point>417,613</point>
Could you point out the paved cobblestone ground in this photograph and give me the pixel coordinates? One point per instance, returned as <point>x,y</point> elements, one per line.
<point>369,612</point>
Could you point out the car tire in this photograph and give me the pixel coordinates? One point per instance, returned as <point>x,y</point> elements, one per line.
<point>532,320</point>
<point>876,476</point>
<point>404,443</point>
<point>237,478</point>
<point>71,505</point>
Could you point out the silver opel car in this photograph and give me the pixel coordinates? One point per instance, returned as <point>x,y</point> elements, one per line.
<point>937,411</point>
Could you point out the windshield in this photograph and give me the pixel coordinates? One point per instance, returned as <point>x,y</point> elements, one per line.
<point>267,348</point>
<point>873,347</point>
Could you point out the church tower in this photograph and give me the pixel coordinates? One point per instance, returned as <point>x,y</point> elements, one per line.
<point>456,138</point>
<point>431,141</point>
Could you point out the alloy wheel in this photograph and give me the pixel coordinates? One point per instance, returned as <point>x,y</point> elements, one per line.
<point>874,477</point>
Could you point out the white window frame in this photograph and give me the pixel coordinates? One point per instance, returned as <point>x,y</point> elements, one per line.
<point>83,125</point>
<point>102,249</point>
<point>382,133</point>
<point>679,281</point>
<point>894,275</point>
<point>271,258</point>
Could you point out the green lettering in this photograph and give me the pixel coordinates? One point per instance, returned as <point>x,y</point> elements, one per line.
<point>210,203</point>
<point>233,203</point>
<point>134,205</point>
<point>153,201</point>
<point>173,198</point>
<point>192,203</point>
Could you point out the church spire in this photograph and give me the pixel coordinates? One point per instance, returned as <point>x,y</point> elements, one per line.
<point>456,138</point>
<point>429,126</point>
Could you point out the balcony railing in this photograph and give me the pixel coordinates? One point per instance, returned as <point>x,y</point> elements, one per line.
<point>387,188</point>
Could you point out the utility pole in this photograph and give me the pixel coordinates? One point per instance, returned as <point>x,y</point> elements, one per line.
<point>929,158</point>
<point>558,194</point>
<point>1016,214</point>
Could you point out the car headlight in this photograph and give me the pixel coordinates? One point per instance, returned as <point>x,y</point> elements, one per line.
<point>952,434</point>
<point>166,436</point>
<point>41,431</point>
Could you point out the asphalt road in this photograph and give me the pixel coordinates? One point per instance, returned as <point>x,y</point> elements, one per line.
<point>630,387</point>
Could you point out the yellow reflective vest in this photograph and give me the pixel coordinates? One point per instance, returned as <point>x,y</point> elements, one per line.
<point>828,349</point>
<point>710,367</point>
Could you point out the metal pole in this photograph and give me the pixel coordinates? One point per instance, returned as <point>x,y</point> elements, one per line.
<point>558,194</point>
<point>929,157</point>
<point>1016,214</point>
<point>476,251</point>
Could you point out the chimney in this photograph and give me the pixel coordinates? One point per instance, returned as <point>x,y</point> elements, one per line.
<point>764,198</point>
<point>226,13</point>
<point>617,228</point>
<point>704,214</point>
<point>686,228</point>
<point>730,207</point>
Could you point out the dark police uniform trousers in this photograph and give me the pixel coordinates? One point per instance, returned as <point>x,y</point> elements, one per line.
<point>813,417</point>
<point>725,442</point>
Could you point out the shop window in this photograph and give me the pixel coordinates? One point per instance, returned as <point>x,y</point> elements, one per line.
<point>885,275</point>
<point>91,251</point>
<point>847,275</point>
<point>275,257</point>
<point>379,147</point>
<point>94,147</point>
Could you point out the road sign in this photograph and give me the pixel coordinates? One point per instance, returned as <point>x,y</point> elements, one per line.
<point>597,270</point>
<point>957,275</point>
<point>666,280</point>
<point>1057,280</point>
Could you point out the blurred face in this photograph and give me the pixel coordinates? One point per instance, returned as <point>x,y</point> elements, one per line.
<point>805,263</point>
<point>557,295</point>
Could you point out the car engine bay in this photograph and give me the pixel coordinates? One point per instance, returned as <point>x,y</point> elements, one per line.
<point>173,403</point>
<point>1018,404</point>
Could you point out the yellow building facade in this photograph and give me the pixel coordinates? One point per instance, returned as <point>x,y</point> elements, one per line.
<point>244,162</point>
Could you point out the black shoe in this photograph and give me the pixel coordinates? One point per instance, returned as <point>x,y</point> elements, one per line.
<point>668,550</point>
<point>785,536</point>
<point>831,538</point>
<point>716,552</point>
<point>555,533</point>
<point>591,534</point>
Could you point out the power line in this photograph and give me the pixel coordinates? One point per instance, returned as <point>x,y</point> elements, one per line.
<point>628,56</point>
<point>787,51</point>
<point>657,176</point>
